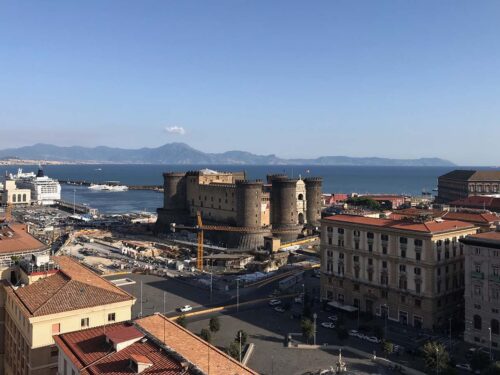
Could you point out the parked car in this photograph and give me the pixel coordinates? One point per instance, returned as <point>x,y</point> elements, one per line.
<point>185,308</point>
<point>328,325</point>
<point>353,333</point>
<point>279,309</point>
<point>274,302</point>
<point>333,318</point>
<point>373,339</point>
<point>464,366</point>
<point>298,299</point>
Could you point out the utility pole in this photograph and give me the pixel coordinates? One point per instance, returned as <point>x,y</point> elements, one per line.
<point>164,302</point>
<point>239,334</point>
<point>237,295</point>
<point>314,317</point>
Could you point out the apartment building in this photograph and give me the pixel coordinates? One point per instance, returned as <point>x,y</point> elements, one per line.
<point>410,271</point>
<point>482,289</point>
<point>51,296</point>
<point>150,345</point>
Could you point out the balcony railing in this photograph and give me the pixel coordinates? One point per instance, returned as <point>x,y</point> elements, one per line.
<point>477,275</point>
<point>495,278</point>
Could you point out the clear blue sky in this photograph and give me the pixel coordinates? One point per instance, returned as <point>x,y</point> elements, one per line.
<point>295,78</point>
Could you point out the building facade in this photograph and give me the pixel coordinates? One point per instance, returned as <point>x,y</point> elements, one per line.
<point>282,204</point>
<point>14,195</point>
<point>460,184</point>
<point>482,289</point>
<point>44,190</point>
<point>48,297</point>
<point>408,271</point>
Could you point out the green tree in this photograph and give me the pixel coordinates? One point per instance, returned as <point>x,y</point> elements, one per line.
<point>435,356</point>
<point>234,350</point>
<point>206,335</point>
<point>342,333</point>
<point>388,347</point>
<point>214,325</point>
<point>181,320</point>
<point>243,335</point>
<point>493,369</point>
<point>307,327</point>
<point>480,360</point>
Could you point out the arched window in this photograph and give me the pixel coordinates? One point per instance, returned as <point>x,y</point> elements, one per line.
<point>477,322</point>
<point>14,198</point>
<point>19,197</point>
<point>495,328</point>
<point>24,197</point>
<point>301,197</point>
<point>301,218</point>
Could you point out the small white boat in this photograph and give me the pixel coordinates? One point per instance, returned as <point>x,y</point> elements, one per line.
<point>106,187</point>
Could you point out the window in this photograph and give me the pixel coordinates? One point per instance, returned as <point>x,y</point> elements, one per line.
<point>356,245</point>
<point>384,264</point>
<point>403,240</point>
<point>477,267</point>
<point>403,299</point>
<point>384,293</point>
<point>356,233</point>
<point>341,255</point>
<point>418,303</point>
<point>384,237</point>
<point>417,287</point>
<point>370,261</point>
<point>84,323</point>
<point>370,276</point>
<point>329,240</point>
<point>418,255</point>
<point>402,268</point>
<point>384,249</point>
<point>477,322</point>
<point>356,287</point>
<point>417,270</point>
<point>369,235</point>
<point>328,229</point>
<point>340,230</point>
<point>370,247</point>
<point>477,290</point>
<point>418,243</point>
<point>477,251</point>
<point>111,317</point>
<point>403,253</point>
<point>495,327</point>
<point>56,328</point>
<point>340,242</point>
<point>356,258</point>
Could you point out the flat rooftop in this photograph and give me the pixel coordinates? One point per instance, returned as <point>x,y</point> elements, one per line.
<point>14,238</point>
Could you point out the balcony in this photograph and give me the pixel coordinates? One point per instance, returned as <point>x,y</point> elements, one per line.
<point>477,275</point>
<point>495,278</point>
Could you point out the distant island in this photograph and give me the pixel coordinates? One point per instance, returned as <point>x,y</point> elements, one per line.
<point>183,154</point>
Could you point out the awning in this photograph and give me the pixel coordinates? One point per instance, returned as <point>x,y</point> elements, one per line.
<point>341,306</point>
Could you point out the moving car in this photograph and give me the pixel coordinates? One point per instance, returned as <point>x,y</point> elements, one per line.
<point>185,308</point>
<point>373,339</point>
<point>328,325</point>
<point>333,318</point>
<point>274,302</point>
<point>464,366</point>
<point>353,333</point>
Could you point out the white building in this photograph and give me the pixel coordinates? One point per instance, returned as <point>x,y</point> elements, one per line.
<point>44,190</point>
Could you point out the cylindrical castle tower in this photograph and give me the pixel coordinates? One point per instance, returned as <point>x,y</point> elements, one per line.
<point>174,191</point>
<point>313,198</point>
<point>248,203</point>
<point>283,202</point>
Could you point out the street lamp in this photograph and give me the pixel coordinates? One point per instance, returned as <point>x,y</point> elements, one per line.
<point>489,329</point>
<point>314,317</point>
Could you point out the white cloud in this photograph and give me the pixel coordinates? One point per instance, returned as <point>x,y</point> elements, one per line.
<point>175,130</point>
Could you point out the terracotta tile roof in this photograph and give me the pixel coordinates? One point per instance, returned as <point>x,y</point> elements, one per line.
<point>191,347</point>
<point>471,217</point>
<point>125,334</point>
<point>472,175</point>
<point>479,202</point>
<point>494,236</point>
<point>427,227</point>
<point>92,354</point>
<point>14,238</point>
<point>73,287</point>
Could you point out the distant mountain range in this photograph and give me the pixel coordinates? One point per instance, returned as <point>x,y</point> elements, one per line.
<point>181,153</point>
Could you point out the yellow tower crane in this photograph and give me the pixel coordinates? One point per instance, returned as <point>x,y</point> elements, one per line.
<point>200,228</point>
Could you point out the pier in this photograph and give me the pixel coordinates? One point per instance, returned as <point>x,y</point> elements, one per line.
<point>158,188</point>
<point>77,208</point>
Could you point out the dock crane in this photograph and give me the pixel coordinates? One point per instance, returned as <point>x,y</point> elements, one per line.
<point>200,228</point>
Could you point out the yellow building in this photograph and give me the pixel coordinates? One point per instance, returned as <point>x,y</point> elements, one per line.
<point>13,195</point>
<point>50,298</point>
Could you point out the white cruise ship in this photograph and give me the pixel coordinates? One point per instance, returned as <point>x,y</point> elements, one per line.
<point>44,190</point>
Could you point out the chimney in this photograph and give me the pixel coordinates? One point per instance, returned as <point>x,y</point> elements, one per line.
<point>139,363</point>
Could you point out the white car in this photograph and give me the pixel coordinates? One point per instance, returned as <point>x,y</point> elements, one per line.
<point>373,339</point>
<point>353,333</point>
<point>464,366</point>
<point>279,309</point>
<point>333,318</point>
<point>186,308</point>
<point>328,325</point>
<point>274,302</point>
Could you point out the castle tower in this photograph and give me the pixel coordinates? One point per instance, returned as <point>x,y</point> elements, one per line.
<point>248,203</point>
<point>313,197</point>
<point>174,196</point>
<point>283,202</point>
